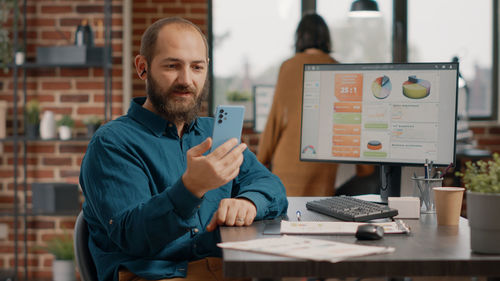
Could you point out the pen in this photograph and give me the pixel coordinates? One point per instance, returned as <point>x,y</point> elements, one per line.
<point>446,170</point>
<point>298,215</point>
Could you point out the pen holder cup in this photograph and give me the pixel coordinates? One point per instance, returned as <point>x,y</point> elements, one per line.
<point>422,188</point>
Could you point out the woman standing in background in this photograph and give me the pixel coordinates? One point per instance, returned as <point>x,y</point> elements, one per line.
<point>279,144</point>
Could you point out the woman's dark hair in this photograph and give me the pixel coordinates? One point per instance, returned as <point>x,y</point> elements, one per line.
<point>312,32</point>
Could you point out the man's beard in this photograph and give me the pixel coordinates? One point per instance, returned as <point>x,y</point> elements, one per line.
<point>174,109</point>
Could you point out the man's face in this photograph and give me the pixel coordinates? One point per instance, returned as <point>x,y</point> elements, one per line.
<point>177,74</point>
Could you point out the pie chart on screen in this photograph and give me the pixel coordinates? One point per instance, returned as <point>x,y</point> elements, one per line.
<point>309,149</point>
<point>416,88</point>
<point>381,87</point>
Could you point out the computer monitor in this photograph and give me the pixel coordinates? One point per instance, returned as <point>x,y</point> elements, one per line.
<point>391,114</point>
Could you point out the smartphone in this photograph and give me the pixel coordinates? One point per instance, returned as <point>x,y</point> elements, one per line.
<point>228,123</point>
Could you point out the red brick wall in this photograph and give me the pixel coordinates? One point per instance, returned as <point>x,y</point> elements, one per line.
<point>78,92</point>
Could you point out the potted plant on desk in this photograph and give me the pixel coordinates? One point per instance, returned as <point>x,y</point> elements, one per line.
<point>63,266</point>
<point>482,181</point>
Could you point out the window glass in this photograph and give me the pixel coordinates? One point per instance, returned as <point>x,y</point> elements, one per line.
<point>358,39</point>
<point>440,30</point>
<point>251,40</point>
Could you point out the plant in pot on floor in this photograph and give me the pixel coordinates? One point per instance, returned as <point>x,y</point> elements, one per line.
<point>482,182</point>
<point>32,127</point>
<point>65,125</point>
<point>63,266</point>
<point>92,122</point>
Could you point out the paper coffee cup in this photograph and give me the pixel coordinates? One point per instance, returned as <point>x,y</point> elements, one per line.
<point>448,204</point>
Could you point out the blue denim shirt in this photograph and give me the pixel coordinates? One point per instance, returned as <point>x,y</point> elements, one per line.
<point>140,215</point>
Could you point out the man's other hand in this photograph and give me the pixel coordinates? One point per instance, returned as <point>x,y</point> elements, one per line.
<point>208,172</point>
<point>233,212</point>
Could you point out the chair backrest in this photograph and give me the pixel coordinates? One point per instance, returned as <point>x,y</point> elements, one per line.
<point>84,260</point>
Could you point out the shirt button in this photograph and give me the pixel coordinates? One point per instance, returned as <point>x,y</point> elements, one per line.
<point>195,230</point>
<point>198,206</point>
<point>170,125</point>
<point>110,221</point>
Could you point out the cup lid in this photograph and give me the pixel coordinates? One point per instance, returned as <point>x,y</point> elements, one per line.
<point>448,188</point>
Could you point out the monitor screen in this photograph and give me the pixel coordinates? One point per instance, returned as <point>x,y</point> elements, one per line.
<point>387,113</point>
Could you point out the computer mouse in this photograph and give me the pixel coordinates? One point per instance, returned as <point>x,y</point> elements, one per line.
<point>369,232</point>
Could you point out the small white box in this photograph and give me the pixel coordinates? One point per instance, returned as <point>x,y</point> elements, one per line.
<point>408,207</point>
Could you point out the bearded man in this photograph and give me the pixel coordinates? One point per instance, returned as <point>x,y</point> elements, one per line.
<point>154,196</point>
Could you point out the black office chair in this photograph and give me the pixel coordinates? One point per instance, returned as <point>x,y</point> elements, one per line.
<point>84,260</point>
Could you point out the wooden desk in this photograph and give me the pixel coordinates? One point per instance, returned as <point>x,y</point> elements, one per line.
<point>428,251</point>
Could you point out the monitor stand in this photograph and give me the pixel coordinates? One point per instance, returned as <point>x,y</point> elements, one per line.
<point>390,177</point>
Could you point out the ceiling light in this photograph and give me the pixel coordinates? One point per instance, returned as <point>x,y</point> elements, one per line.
<point>364,8</point>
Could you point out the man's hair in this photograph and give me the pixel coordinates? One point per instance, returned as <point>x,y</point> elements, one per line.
<point>312,32</point>
<point>150,36</point>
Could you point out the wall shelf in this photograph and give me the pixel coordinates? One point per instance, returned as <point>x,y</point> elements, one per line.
<point>20,212</point>
<point>31,65</point>
<point>21,138</point>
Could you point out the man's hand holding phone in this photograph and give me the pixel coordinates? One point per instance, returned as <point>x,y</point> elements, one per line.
<point>207,172</point>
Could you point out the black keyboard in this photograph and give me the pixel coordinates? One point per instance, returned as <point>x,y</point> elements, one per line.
<point>350,209</point>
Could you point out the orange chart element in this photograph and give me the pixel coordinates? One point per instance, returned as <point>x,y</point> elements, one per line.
<point>346,140</point>
<point>347,107</point>
<point>343,151</point>
<point>346,129</point>
<point>349,86</point>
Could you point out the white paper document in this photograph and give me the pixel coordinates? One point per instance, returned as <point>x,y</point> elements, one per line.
<point>337,227</point>
<point>305,248</point>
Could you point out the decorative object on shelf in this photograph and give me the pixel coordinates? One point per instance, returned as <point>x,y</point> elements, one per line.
<point>84,35</point>
<point>48,126</point>
<point>65,126</point>
<point>20,57</point>
<point>5,42</point>
<point>55,198</point>
<point>63,266</point>
<point>93,123</point>
<point>32,126</point>
<point>3,119</point>
<point>483,204</point>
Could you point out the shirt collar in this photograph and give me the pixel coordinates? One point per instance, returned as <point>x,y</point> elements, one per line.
<point>155,123</point>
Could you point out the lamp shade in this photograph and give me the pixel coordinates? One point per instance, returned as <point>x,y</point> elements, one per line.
<point>364,9</point>
<point>364,5</point>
